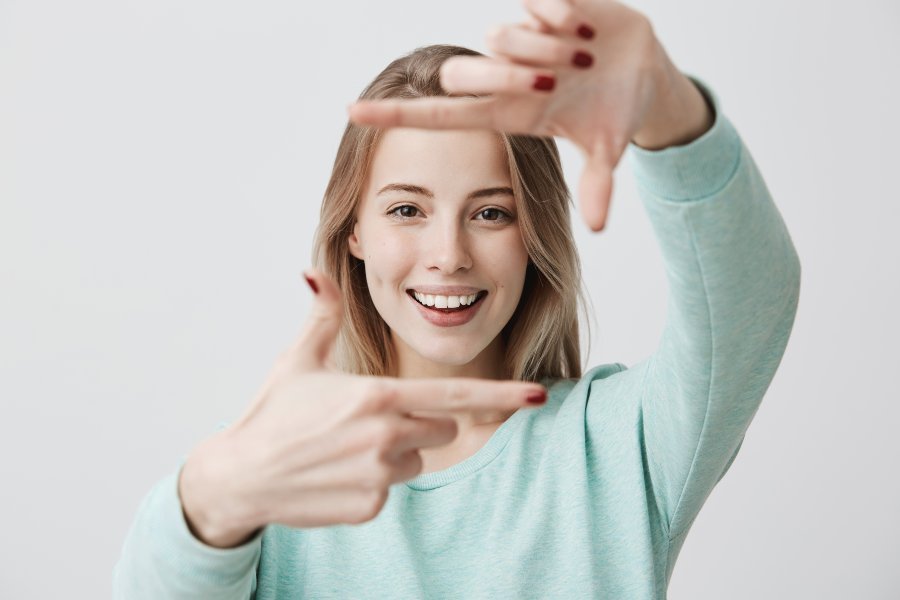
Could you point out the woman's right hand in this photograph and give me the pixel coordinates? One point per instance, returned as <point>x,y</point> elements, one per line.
<point>318,447</point>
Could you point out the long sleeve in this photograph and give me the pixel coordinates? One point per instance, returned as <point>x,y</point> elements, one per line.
<point>734,281</point>
<point>161,559</point>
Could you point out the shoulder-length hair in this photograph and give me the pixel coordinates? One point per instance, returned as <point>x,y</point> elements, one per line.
<point>541,337</point>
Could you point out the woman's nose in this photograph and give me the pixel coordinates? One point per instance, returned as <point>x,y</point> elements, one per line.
<point>448,249</point>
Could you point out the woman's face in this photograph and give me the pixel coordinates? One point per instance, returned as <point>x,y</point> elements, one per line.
<point>438,216</point>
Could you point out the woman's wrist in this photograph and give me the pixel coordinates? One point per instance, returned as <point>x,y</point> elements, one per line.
<point>679,114</point>
<point>211,512</point>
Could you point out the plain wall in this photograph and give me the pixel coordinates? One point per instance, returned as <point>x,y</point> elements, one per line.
<point>161,169</point>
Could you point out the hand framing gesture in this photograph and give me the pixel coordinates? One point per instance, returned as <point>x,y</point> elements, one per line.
<point>588,70</point>
<point>319,447</point>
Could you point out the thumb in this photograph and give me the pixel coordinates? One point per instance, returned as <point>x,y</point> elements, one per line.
<point>595,187</point>
<point>311,348</point>
<point>323,323</point>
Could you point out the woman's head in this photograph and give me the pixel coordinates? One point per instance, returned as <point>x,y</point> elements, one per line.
<point>410,208</point>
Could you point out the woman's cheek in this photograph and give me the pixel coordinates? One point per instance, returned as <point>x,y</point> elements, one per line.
<point>391,258</point>
<point>506,255</point>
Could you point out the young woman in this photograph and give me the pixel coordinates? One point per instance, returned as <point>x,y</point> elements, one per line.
<point>431,433</point>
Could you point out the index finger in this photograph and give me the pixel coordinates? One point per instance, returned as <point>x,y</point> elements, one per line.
<point>595,187</point>
<point>430,113</point>
<point>464,393</point>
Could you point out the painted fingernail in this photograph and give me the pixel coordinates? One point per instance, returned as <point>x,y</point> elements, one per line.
<point>544,83</point>
<point>582,59</point>
<point>586,31</point>
<point>312,284</point>
<point>537,397</point>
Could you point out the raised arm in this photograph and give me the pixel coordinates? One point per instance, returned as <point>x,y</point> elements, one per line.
<point>734,281</point>
<point>594,72</point>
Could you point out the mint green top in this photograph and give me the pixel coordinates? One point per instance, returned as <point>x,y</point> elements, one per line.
<point>590,496</point>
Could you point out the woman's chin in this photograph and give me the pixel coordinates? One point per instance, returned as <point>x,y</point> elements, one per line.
<point>450,353</point>
<point>441,351</point>
<point>450,357</point>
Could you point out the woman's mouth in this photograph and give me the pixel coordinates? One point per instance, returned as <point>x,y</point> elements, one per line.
<point>447,311</point>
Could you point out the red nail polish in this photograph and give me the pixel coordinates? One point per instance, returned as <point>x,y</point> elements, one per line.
<point>537,397</point>
<point>544,83</point>
<point>582,59</point>
<point>586,31</point>
<point>311,283</point>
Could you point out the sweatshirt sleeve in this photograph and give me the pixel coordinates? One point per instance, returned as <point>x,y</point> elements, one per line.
<point>734,281</point>
<point>162,560</point>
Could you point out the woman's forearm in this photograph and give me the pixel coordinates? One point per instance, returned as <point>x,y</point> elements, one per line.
<point>680,113</point>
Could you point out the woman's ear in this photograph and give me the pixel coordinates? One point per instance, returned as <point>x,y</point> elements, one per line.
<point>353,242</point>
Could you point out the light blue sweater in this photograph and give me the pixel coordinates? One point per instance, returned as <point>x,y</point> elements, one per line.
<point>590,496</point>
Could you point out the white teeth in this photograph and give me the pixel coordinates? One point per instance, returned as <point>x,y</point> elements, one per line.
<point>444,301</point>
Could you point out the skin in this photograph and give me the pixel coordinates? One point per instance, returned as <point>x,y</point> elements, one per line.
<point>631,92</point>
<point>317,447</point>
<point>407,238</point>
<point>634,93</point>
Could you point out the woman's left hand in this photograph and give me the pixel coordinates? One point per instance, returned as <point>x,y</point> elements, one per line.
<point>610,83</point>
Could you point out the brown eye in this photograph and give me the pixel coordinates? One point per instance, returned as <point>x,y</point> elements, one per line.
<point>493,214</point>
<point>405,211</point>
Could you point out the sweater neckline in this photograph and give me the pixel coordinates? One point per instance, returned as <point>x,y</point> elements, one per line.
<point>476,462</point>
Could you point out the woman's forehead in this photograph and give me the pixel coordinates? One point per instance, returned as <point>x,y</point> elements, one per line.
<point>470,156</point>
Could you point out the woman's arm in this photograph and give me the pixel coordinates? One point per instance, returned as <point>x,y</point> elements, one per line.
<point>734,281</point>
<point>680,114</point>
<point>627,90</point>
<point>162,559</point>
<point>733,272</point>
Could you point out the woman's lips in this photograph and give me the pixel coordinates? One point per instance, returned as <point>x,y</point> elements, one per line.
<point>448,318</point>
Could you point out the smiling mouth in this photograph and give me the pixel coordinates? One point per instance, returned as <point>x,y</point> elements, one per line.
<point>445,304</point>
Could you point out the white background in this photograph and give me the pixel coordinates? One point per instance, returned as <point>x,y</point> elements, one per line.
<point>161,169</point>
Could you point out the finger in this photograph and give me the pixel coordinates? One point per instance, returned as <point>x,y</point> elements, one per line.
<point>424,432</point>
<point>356,437</point>
<point>559,16</point>
<point>539,49</point>
<point>462,394</point>
<point>340,460</point>
<point>595,188</point>
<point>432,113</point>
<point>313,346</point>
<point>408,465</point>
<point>533,23</point>
<point>485,75</point>
<point>348,475</point>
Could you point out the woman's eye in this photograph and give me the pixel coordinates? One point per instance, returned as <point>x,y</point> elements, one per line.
<point>493,214</point>
<point>406,211</point>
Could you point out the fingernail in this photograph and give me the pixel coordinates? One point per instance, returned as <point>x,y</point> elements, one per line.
<point>537,397</point>
<point>311,283</point>
<point>586,31</point>
<point>544,83</point>
<point>582,59</point>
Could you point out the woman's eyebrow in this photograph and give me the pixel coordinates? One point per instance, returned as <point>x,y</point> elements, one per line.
<point>417,189</point>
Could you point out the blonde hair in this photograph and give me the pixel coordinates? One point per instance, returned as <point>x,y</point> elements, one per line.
<point>541,337</point>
